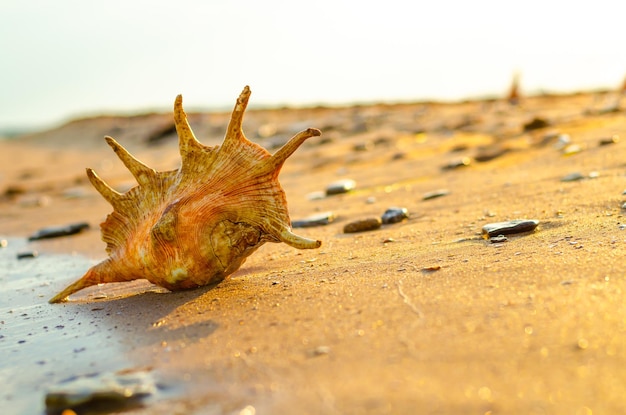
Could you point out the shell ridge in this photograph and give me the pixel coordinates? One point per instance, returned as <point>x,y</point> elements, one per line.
<point>277,160</point>
<point>111,196</point>
<point>187,141</point>
<point>142,173</point>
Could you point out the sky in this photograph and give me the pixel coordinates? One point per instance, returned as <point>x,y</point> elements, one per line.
<point>66,59</point>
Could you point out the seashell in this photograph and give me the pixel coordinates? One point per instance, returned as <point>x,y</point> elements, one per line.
<point>196,225</point>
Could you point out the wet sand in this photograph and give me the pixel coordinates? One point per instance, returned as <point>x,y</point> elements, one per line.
<point>422,316</point>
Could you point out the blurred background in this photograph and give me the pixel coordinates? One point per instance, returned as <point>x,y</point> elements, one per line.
<point>71,58</point>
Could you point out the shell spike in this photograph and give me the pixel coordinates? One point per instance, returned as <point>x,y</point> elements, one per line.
<point>96,275</point>
<point>113,197</point>
<point>142,173</point>
<point>187,141</point>
<point>296,241</point>
<point>236,119</point>
<point>275,162</point>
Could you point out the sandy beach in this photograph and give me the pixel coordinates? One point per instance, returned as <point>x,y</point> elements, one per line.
<point>422,316</point>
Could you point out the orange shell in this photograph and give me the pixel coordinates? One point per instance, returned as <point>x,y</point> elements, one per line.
<point>196,225</point>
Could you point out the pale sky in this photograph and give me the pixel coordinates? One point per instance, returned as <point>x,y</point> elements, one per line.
<point>62,59</point>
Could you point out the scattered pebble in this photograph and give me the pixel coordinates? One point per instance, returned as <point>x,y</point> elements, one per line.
<point>509,227</point>
<point>366,146</point>
<point>57,231</point>
<point>119,388</point>
<point>318,219</point>
<point>320,351</point>
<point>341,186</point>
<point>432,268</point>
<point>563,140</point>
<point>14,190</point>
<point>457,163</point>
<point>435,194</point>
<point>75,193</point>
<point>572,149</point>
<point>27,254</point>
<point>34,201</point>
<point>317,195</point>
<point>614,139</point>
<point>498,239</point>
<point>572,177</point>
<point>394,215</point>
<point>535,124</point>
<point>490,153</point>
<point>363,225</point>
<point>4,243</point>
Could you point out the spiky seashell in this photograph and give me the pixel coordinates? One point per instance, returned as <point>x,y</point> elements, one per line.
<point>196,225</point>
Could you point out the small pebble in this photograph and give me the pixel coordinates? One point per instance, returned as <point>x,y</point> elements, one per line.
<point>341,186</point>
<point>435,194</point>
<point>27,254</point>
<point>317,195</point>
<point>34,201</point>
<point>563,140</point>
<point>75,193</point>
<point>4,243</point>
<point>572,149</point>
<point>318,219</point>
<point>123,388</point>
<point>535,124</point>
<point>320,351</point>
<point>394,215</point>
<point>609,140</point>
<point>490,153</point>
<point>458,163</point>
<point>498,239</point>
<point>509,227</point>
<point>362,146</point>
<point>572,177</point>
<point>57,231</point>
<point>363,225</point>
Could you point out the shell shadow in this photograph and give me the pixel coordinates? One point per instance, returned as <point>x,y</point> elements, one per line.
<point>150,317</point>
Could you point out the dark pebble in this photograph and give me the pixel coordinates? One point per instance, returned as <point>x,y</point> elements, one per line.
<point>27,254</point>
<point>490,153</point>
<point>318,219</point>
<point>57,231</point>
<point>362,146</point>
<point>535,124</point>
<point>362,225</point>
<point>609,140</point>
<point>509,227</point>
<point>394,215</point>
<point>458,163</point>
<point>435,194</point>
<point>14,190</point>
<point>341,186</point>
